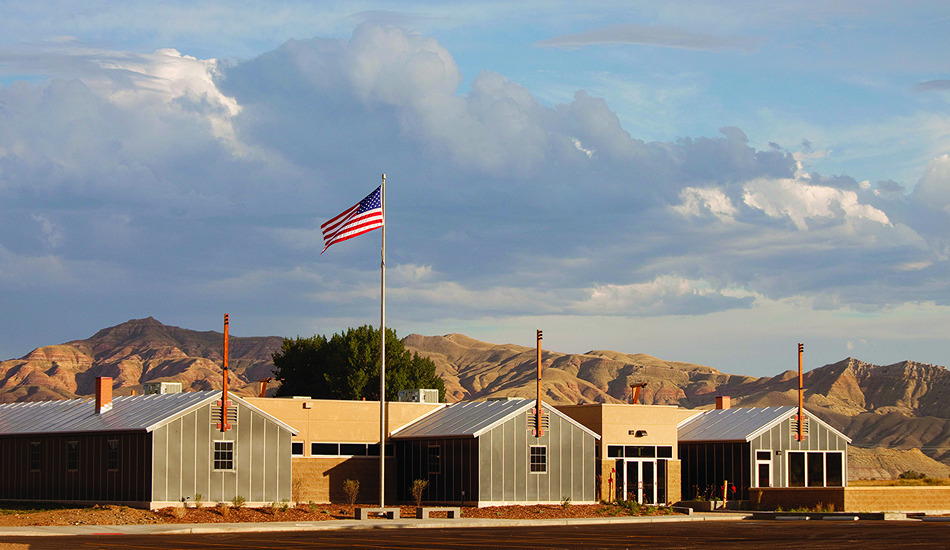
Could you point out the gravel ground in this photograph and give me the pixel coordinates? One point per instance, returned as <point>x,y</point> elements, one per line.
<point>20,515</point>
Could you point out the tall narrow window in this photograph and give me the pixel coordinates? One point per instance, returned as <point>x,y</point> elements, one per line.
<point>72,455</point>
<point>796,469</point>
<point>35,455</point>
<point>224,455</point>
<point>539,459</point>
<point>435,459</point>
<point>112,456</point>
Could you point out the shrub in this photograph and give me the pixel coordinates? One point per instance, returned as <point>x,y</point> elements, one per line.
<point>911,474</point>
<point>565,502</point>
<point>284,505</point>
<point>417,490</point>
<point>351,488</point>
<point>238,502</point>
<point>178,512</point>
<point>296,487</point>
<point>224,509</point>
<point>199,500</point>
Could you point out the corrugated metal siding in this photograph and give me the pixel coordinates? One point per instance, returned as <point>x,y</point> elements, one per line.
<point>570,463</point>
<point>184,457</point>
<point>91,481</point>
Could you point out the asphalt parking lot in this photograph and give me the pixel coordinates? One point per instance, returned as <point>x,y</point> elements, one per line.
<point>770,535</point>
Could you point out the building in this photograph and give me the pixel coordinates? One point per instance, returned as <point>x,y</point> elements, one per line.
<point>143,450</point>
<point>337,440</point>
<point>758,447</point>
<point>486,453</point>
<point>637,453</point>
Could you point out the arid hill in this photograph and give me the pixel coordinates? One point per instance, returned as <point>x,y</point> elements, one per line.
<point>138,351</point>
<point>901,406</point>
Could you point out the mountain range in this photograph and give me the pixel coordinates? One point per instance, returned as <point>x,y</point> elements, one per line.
<point>904,407</point>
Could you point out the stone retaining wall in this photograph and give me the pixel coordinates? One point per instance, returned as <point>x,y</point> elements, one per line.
<point>853,499</point>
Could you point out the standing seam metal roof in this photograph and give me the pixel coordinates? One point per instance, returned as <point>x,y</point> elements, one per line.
<point>741,424</point>
<point>472,419</point>
<point>128,413</point>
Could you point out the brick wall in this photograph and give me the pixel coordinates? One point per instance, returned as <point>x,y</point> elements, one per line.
<point>853,499</point>
<point>321,479</point>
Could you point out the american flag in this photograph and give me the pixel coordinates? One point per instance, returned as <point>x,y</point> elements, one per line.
<point>362,217</point>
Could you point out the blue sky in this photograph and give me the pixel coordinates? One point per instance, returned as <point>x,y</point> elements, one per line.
<point>697,181</point>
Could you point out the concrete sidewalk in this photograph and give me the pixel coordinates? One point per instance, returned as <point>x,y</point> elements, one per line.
<point>340,524</point>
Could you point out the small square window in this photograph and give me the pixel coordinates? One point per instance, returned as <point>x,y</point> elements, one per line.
<point>224,455</point>
<point>539,459</point>
<point>763,455</point>
<point>296,448</point>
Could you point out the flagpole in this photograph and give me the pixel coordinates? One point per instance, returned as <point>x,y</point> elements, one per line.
<point>382,357</point>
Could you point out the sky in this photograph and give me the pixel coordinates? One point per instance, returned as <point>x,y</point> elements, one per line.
<point>694,180</point>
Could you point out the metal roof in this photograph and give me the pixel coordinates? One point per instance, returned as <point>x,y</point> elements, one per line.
<point>740,424</point>
<point>128,413</point>
<point>472,419</point>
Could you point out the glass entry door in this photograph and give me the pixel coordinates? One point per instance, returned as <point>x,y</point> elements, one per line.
<point>636,480</point>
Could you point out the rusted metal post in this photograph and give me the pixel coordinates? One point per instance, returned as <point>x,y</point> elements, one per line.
<point>537,413</point>
<point>223,425</point>
<point>801,393</point>
<point>635,389</point>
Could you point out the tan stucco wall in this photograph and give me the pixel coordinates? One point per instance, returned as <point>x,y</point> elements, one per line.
<point>324,420</point>
<point>614,422</point>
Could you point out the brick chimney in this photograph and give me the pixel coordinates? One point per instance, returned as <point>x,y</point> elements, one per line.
<point>103,394</point>
<point>723,402</point>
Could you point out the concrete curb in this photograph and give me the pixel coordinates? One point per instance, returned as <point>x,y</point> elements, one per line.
<point>338,525</point>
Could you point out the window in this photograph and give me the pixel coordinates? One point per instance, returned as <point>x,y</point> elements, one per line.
<point>815,469</point>
<point>348,449</point>
<point>539,459</point>
<point>664,452</point>
<point>72,455</point>
<point>833,469</point>
<point>112,456</point>
<point>796,469</point>
<point>435,459</point>
<point>763,455</point>
<point>353,449</point>
<point>331,449</point>
<point>615,451</point>
<point>224,455</point>
<point>296,448</point>
<point>35,455</point>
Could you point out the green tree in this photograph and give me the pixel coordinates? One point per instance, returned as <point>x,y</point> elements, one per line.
<point>346,366</point>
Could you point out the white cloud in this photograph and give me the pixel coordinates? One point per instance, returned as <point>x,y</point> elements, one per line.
<point>665,294</point>
<point>800,202</point>
<point>52,233</point>
<point>699,202</point>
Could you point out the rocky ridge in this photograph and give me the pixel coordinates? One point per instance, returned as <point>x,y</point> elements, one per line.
<point>901,406</point>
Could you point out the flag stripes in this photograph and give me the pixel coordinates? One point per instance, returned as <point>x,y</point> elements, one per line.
<point>360,218</point>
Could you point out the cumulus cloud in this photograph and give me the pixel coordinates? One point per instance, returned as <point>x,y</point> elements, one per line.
<point>800,202</point>
<point>698,202</point>
<point>208,182</point>
<point>666,294</point>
